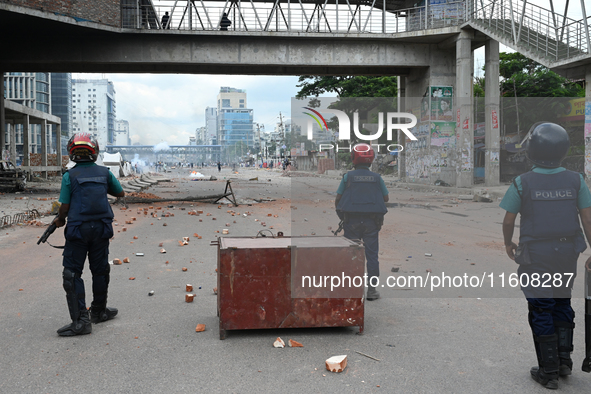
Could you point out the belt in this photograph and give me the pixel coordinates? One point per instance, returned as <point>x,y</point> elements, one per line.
<point>566,239</point>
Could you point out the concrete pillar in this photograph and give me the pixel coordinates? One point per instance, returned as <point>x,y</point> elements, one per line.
<point>12,130</point>
<point>465,103</point>
<point>588,120</point>
<point>44,147</point>
<point>2,117</point>
<point>58,147</point>
<point>26,145</point>
<point>401,82</point>
<point>492,97</point>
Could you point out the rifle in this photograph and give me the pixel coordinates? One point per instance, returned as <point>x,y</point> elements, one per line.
<point>48,231</point>
<point>587,361</point>
<point>338,230</point>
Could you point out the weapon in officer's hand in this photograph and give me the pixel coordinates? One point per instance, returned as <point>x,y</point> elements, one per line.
<point>587,361</point>
<point>122,201</point>
<point>338,230</point>
<point>48,232</point>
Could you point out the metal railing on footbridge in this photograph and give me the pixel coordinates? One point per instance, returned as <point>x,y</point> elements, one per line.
<point>297,16</point>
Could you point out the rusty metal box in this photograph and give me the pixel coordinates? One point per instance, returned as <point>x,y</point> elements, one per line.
<point>285,282</point>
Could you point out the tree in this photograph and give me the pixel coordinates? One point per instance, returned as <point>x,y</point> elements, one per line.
<point>355,95</point>
<point>530,92</point>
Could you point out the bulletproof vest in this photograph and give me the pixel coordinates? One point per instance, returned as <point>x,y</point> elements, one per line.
<point>549,205</point>
<point>363,193</point>
<point>89,194</point>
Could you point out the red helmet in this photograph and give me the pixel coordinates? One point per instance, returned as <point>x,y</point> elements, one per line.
<point>83,147</point>
<point>362,154</point>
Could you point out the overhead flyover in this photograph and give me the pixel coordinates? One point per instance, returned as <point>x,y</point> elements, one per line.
<point>266,38</point>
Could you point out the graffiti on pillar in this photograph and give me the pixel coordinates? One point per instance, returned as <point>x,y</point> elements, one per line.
<point>466,161</point>
<point>458,121</point>
<point>466,124</point>
<point>495,119</point>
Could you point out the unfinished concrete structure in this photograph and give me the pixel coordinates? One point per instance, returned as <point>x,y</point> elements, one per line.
<point>430,47</point>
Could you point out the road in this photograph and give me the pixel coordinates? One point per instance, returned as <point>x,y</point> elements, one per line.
<point>442,340</point>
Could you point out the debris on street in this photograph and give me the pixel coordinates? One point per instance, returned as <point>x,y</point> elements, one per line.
<point>336,363</point>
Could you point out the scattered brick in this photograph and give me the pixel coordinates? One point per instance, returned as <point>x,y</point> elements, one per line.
<point>200,328</point>
<point>292,343</point>
<point>279,343</point>
<point>336,363</point>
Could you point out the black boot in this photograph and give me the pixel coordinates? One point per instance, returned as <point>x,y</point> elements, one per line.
<point>564,331</point>
<point>79,326</point>
<point>101,313</point>
<point>546,373</point>
<point>372,293</point>
<point>80,321</point>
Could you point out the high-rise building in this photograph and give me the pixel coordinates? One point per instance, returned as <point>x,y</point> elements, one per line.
<point>61,105</point>
<point>31,90</point>
<point>211,124</point>
<point>121,133</point>
<point>235,122</point>
<point>94,109</point>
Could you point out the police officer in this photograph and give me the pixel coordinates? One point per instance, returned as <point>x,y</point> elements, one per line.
<point>84,202</point>
<point>550,200</point>
<point>360,203</point>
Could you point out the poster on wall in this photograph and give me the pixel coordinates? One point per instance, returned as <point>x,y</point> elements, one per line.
<point>443,134</point>
<point>425,109</point>
<point>494,157</point>
<point>441,103</point>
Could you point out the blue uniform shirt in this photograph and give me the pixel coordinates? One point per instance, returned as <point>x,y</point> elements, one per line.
<point>66,192</point>
<point>512,201</point>
<point>343,183</point>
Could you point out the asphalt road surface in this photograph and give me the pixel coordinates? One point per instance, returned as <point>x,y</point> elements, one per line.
<point>446,339</point>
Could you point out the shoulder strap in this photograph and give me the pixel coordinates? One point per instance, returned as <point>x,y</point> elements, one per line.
<point>516,188</point>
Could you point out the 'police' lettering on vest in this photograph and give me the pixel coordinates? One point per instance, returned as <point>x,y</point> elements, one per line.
<point>361,178</point>
<point>565,194</point>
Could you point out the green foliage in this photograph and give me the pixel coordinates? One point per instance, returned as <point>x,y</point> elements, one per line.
<point>355,95</point>
<point>541,93</point>
<point>358,86</point>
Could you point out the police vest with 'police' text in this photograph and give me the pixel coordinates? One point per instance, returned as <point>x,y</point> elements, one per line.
<point>549,205</point>
<point>363,193</point>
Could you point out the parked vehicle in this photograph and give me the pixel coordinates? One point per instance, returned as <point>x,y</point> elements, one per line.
<point>11,176</point>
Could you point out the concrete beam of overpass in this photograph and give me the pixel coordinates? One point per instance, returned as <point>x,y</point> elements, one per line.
<point>56,46</point>
<point>255,55</point>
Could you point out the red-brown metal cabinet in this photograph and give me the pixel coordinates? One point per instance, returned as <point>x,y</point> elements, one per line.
<point>259,282</point>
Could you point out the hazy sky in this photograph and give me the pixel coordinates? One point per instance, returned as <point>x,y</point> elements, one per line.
<point>170,107</point>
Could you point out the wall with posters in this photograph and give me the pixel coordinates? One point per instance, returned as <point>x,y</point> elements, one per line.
<point>433,156</point>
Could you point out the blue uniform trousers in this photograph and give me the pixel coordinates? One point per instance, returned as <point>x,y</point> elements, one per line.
<point>550,259</point>
<point>85,240</point>
<point>366,229</point>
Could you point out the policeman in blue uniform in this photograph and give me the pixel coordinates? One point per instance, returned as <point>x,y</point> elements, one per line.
<point>550,200</point>
<point>360,203</point>
<point>84,202</point>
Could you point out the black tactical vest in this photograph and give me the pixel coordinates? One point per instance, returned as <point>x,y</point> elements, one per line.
<point>363,193</point>
<point>89,194</point>
<point>549,205</point>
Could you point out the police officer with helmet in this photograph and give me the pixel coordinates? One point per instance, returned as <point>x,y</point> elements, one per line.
<point>550,200</point>
<point>84,202</point>
<point>360,203</point>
